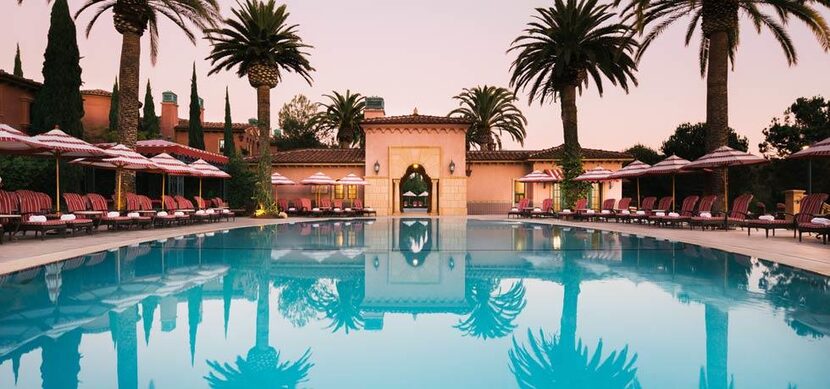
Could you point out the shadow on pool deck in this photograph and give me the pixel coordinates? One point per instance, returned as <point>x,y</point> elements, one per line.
<point>809,255</point>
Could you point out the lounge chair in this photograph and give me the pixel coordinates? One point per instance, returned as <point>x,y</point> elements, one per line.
<point>704,207</point>
<point>543,210</point>
<point>112,219</point>
<point>337,208</point>
<point>621,212</point>
<point>686,210</point>
<point>645,209</point>
<point>172,207</point>
<point>133,208</point>
<point>160,218</point>
<point>33,218</point>
<point>361,210</point>
<point>607,208</point>
<point>810,206</point>
<point>519,209</point>
<point>8,206</point>
<point>223,208</point>
<point>75,203</point>
<point>580,206</point>
<point>736,216</point>
<point>821,229</point>
<point>213,214</point>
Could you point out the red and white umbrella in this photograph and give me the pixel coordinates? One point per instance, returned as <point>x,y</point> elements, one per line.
<point>540,176</point>
<point>279,179</point>
<point>204,169</point>
<point>173,167</point>
<point>123,158</point>
<point>318,179</point>
<point>62,145</point>
<point>672,165</point>
<point>816,150</point>
<point>634,169</point>
<point>352,179</point>
<point>722,158</point>
<point>12,140</point>
<point>596,174</point>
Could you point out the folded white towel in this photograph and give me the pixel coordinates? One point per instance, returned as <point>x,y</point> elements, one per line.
<point>659,214</point>
<point>347,209</point>
<point>590,212</point>
<point>292,209</point>
<point>820,220</point>
<point>178,213</point>
<point>209,234</point>
<point>537,209</point>
<point>368,209</point>
<point>226,211</point>
<point>113,214</point>
<point>514,209</point>
<point>133,215</point>
<point>200,212</point>
<point>605,211</point>
<point>37,218</point>
<point>68,217</point>
<point>162,213</point>
<point>706,214</point>
<point>766,217</point>
<point>625,212</point>
<point>673,214</point>
<point>566,210</point>
<point>315,209</point>
<point>641,212</point>
<point>337,209</point>
<point>210,211</point>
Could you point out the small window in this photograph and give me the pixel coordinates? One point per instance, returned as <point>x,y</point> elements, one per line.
<point>338,191</point>
<point>352,192</point>
<point>518,191</point>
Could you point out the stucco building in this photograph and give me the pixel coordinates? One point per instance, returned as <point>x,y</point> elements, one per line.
<point>460,182</point>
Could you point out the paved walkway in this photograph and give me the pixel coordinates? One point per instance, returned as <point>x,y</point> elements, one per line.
<point>809,255</point>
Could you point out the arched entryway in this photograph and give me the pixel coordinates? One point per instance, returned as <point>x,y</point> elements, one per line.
<point>415,190</point>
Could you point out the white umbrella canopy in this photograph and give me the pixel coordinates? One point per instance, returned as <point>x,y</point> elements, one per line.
<point>352,179</point>
<point>423,194</point>
<point>409,194</point>
<point>62,145</point>
<point>12,140</point>
<point>279,179</point>
<point>819,149</point>
<point>634,169</point>
<point>537,176</point>
<point>672,165</point>
<point>318,179</point>
<point>123,158</point>
<point>722,158</point>
<point>596,174</point>
<point>205,169</point>
<point>173,167</point>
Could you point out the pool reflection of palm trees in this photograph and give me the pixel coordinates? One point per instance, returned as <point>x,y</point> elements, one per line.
<point>492,311</point>
<point>562,360</point>
<point>341,305</point>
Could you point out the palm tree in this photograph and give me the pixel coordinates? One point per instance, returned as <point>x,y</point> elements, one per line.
<point>493,311</point>
<point>261,45</point>
<point>719,28</point>
<point>343,114</point>
<point>561,49</point>
<point>492,113</point>
<point>132,18</point>
<point>343,306</point>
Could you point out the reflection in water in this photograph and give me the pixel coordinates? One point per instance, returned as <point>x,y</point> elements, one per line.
<point>471,281</point>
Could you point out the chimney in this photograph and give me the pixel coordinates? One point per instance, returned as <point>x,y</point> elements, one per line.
<point>374,108</point>
<point>169,115</point>
<point>202,110</point>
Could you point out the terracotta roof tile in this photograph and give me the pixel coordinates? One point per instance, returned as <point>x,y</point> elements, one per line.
<point>498,155</point>
<point>212,126</point>
<point>556,153</point>
<point>316,156</point>
<point>22,81</point>
<point>416,119</point>
<point>96,92</point>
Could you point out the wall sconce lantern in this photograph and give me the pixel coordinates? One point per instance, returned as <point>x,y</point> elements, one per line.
<point>469,170</point>
<point>452,167</point>
<point>376,263</point>
<point>377,167</point>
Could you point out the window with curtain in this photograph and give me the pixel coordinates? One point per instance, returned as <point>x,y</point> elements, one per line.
<point>338,192</point>
<point>518,191</point>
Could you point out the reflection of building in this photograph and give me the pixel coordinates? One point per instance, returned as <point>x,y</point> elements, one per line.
<point>461,182</point>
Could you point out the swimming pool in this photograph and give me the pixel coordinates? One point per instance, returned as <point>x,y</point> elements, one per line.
<point>414,303</point>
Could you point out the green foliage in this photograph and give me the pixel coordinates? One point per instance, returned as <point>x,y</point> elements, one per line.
<point>570,43</point>
<point>25,172</point>
<point>342,114</point>
<point>492,112</point>
<point>150,122</point>
<point>644,154</point>
<point>230,144</point>
<point>307,140</point>
<point>689,141</point>
<point>572,190</point>
<point>298,129</point>
<point>18,64</point>
<point>415,184</point>
<point>113,116</point>
<point>806,121</point>
<point>59,101</point>
<point>241,184</point>
<point>195,132</point>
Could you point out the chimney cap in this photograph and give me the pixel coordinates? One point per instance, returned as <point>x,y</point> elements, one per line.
<point>374,102</point>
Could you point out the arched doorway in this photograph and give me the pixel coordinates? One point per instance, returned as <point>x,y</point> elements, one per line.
<point>415,190</point>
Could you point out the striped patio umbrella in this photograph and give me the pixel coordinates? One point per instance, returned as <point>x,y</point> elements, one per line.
<point>352,179</point>
<point>596,174</point>
<point>123,158</point>
<point>634,169</point>
<point>409,194</point>
<point>423,194</point>
<point>672,165</point>
<point>279,179</point>
<point>816,150</point>
<point>540,176</point>
<point>722,158</point>
<point>204,169</point>
<point>12,140</point>
<point>64,146</point>
<point>171,166</point>
<point>318,179</point>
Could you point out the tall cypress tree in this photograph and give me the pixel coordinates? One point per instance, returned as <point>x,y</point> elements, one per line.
<point>59,101</point>
<point>230,146</point>
<point>18,64</point>
<point>195,132</point>
<point>150,122</point>
<point>113,127</point>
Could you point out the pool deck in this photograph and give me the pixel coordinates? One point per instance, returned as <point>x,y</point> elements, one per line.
<point>810,255</point>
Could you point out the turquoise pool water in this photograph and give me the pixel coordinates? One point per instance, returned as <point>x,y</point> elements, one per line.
<point>414,303</point>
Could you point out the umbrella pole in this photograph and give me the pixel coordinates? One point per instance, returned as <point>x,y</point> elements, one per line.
<point>638,192</point>
<point>200,186</point>
<point>672,191</point>
<point>725,189</point>
<point>163,179</point>
<point>57,183</point>
<point>118,189</point>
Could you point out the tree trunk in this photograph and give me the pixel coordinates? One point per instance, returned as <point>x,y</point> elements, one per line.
<point>567,97</point>
<point>567,324</point>
<point>262,312</point>
<point>263,97</point>
<point>717,102</point>
<point>717,346</point>
<point>128,104</point>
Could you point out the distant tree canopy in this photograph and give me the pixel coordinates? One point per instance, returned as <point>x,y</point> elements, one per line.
<point>195,132</point>
<point>644,154</point>
<point>689,141</point>
<point>150,127</point>
<point>18,64</point>
<point>806,121</point>
<point>298,128</point>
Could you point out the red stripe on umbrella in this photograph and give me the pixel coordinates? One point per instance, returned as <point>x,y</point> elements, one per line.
<point>596,174</point>
<point>279,179</point>
<point>819,149</point>
<point>723,158</point>
<point>352,179</point>
<point>15,141</point>
<point>318,179</point>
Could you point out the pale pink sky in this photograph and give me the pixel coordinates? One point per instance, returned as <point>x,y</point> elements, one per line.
<point>420,54</point>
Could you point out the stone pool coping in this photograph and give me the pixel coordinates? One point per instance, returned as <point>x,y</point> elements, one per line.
<point>809,255</point>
